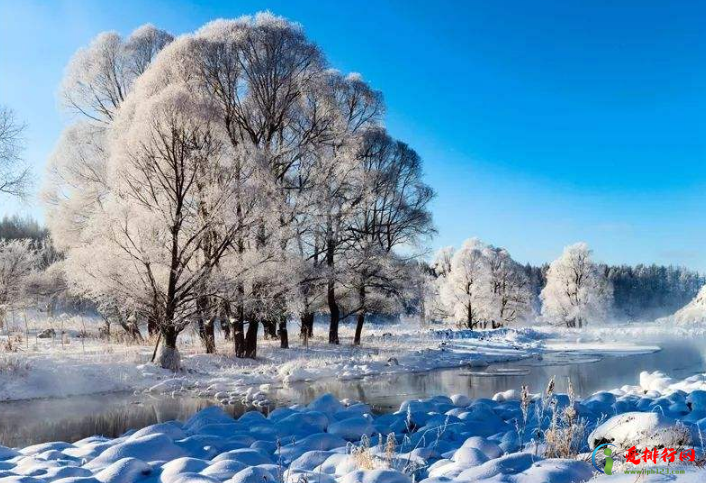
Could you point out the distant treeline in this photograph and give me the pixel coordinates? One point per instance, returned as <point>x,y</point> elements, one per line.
<point>640,292</point>
<point>22,228</point>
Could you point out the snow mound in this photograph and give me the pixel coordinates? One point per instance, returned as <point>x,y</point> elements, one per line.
<point>643,430</point>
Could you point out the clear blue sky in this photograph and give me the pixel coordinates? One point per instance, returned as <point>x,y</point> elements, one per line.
<point>540,123</point>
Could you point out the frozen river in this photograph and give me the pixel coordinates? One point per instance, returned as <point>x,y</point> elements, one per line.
<point>70,419</point>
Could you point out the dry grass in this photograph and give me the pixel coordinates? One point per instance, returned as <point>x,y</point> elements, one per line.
<point>363,456</point>
<point>566,431</point>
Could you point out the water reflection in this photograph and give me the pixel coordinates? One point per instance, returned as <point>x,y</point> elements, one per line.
<point>588,374</point>
<point>70,419</point>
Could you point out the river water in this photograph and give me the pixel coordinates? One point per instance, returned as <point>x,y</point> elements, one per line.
<point>70,419</point>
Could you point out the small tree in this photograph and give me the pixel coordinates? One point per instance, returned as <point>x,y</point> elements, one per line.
<point>577,292</point>
<point>511,293</point>
<point>465,290</point>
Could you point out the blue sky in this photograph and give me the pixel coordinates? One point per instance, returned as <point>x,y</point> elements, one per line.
<point>540,123</point>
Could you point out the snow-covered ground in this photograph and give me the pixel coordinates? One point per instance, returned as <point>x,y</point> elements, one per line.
<point>70,365</point>
<point>509,438</point>
<point>436,440</point>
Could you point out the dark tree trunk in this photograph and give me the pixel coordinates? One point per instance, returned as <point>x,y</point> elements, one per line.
<point>331,297</point>
<point>307,329</point>
<point>152,324</point>
<point>239,331</point>
<point>251,339</point>
<point>360,319</point>
<point>270,328</point>
<point>207,330</point>
<point>283,333</point>
<point>207,334</point>
<point>169,337</point>
<point>335,315</point>
<point>225,327</point>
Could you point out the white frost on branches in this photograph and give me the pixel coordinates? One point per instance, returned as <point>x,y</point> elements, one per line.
<point>576,292</point>
<point>480,284</point>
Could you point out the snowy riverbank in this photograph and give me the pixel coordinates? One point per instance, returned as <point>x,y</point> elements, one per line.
<point>507,438</point>
<point>48,368</point>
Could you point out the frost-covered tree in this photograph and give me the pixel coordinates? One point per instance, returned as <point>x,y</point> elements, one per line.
<point>511,291</point>
<point>337,192</point>
<point>99,77</point>
<point>577,291</point>
<point>15,176</point>
<point>479,285</point>
<point>223,175</point>
<point>442,261</point>
<point>465,291</point>
<point>393,212</point>
<point>97,81</point>
<point>18,261</point>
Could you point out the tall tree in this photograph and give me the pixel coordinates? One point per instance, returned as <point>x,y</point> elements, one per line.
<point>465,290</point>
<point>392,213</point>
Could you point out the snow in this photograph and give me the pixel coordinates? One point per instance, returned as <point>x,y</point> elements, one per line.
<point>433,440</point>
<point>50,368</point>
<point>352,429</point>
<point>643,430</point>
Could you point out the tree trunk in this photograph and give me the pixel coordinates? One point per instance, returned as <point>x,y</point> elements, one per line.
<point>360,319</point>
<point>335,315</point>
<point>207,334</point>
<point>169,338</point>
<point>169,357</point>
<point>239,331</point>
<point>225,327</point>
<point>206,325</point>
<point>469,316</point>
<point>307,328</point>
<point>270,328</point>
<point>152,324</point>
<point>331,297</point>
<point>282,332</point>
<point>251,339</point>
<point>422,312</point>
